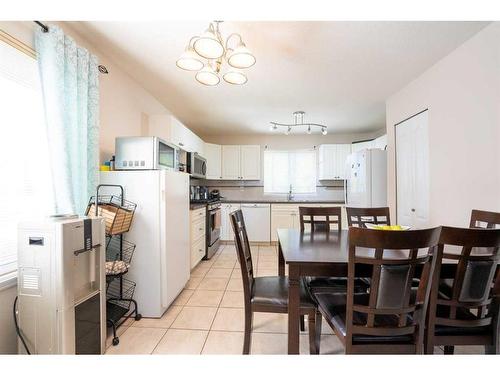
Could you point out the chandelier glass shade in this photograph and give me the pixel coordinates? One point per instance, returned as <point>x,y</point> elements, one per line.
<point>299,122</point>
<point>190,60</point>
<point>208,76</point>
<point>208,54</point>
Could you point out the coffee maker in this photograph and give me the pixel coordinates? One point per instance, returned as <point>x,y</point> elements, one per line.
<point>198,193</point>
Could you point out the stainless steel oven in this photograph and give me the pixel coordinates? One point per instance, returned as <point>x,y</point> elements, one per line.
<point>196,165</point>
<point>214,217</point>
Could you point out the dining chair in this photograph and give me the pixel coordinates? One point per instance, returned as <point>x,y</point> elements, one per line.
<point>390,317</point>
<point>270,293</point>
<point>484,219</point>
<point>358,217</point>
<point>321,218</point>
<point>466,312</point>
<point>325,219</point>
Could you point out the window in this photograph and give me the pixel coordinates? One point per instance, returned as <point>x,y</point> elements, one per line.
<point>25,188</point>
<point>284,168</point>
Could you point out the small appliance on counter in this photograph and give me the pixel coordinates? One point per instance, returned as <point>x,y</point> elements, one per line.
<point>199,194</point>
<point>215,194</point>
<point>61,304</point>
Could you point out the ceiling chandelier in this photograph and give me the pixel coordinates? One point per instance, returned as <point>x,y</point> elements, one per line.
<point>207,53</point>
<point>299,121</point>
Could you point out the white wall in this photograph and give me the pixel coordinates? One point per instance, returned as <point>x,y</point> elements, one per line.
<point>462,93</point>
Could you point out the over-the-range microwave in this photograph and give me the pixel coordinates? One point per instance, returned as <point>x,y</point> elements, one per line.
<point>145,153</point>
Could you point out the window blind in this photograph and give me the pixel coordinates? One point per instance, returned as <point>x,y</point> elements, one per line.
<point>25,190</point>
<point>284,168</point>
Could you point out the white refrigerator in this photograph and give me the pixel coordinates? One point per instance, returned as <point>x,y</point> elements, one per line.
<point>160,230</point>
<point>366,183</point>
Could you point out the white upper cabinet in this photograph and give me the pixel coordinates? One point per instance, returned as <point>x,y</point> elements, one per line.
<point>250,162</point>
<point>170,129</point>
<point>332,159</point>
<point>241,162</point>
<point>184,138</point>
<point>231,162</point>
<point>213,154</point>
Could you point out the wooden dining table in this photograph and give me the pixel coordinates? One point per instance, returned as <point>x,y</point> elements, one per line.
<point>319,254</point>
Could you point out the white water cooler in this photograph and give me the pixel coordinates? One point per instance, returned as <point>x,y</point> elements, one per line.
<point>61,286</point>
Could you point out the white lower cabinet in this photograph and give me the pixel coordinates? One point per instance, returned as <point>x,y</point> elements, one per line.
<point>226,228</point>
<point>283,216</point>
<point>198,235</point>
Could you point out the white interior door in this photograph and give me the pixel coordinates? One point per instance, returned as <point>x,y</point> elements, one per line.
<point>412,171</point>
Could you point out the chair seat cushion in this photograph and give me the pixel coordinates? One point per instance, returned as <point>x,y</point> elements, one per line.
<point>333,284</point>
<point>273,291</point>
<point>462,314</point>
<point>333,308</point>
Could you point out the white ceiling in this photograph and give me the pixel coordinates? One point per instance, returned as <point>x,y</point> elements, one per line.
<point>340,73</point>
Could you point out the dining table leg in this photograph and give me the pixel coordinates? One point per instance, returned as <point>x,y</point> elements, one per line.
<point>281,262</point>
<point>293,309</point>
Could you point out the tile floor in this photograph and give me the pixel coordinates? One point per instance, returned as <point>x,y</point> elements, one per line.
<point>207,317</point>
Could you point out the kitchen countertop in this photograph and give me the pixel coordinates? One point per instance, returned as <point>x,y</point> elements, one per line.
<point>195,206</point>
<point>277,201</point>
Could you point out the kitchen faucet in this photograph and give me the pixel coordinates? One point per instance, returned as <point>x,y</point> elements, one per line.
<point>290,195</point>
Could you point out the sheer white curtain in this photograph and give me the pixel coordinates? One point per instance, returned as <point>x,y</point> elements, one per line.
<point>25,190</point>
<point>292,167</point>
<point>70,84</point>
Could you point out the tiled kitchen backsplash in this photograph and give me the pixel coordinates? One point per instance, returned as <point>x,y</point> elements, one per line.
<point>254,190</point>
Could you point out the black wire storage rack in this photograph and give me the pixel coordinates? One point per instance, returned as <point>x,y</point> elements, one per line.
<point>118,214</point>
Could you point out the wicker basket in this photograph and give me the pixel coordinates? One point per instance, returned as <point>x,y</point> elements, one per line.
<point>118,216</point>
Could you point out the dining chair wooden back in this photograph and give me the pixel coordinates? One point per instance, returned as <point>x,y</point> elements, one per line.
<point>358,217</point>
<point>268,294</point>
<point>390,317</point>
<point>321,218</point>
<point>464,310</point>
<point>484,219</point>
<point>243,251</point>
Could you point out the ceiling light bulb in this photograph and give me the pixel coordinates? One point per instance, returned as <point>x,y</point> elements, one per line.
<point>207,76</point>
<point>288,130</point>
<point>324,131</point>
<point>309,129</point>
<point>189,60</point>
<point>235,77</point>
<point>241,57</point>
<point>208,45</point>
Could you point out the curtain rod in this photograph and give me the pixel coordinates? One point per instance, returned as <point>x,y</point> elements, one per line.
<point>45,29</point>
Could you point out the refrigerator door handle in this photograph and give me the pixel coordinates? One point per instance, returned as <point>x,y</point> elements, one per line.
<point>345,192</point>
